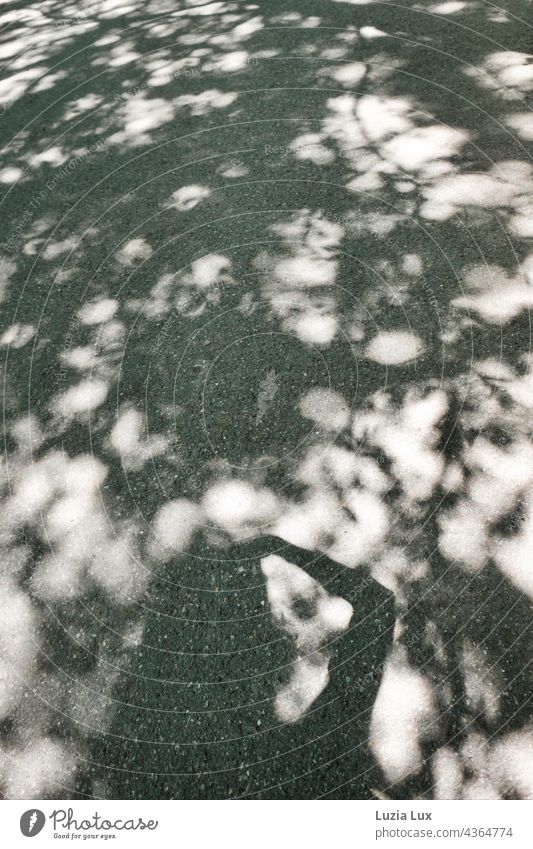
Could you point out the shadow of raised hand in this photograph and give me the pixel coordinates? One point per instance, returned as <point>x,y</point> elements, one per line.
<point>196,714</point>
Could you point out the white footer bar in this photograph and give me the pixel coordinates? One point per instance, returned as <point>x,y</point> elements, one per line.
<point>267,824</point>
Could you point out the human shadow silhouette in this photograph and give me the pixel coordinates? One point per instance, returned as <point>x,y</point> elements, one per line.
<point>195,722</point>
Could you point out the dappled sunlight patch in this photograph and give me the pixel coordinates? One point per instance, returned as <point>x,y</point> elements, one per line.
<point>82,398</point>
<point>342,125</point>
<point>10,174</point>
<point>495,296</point>
<point>505,186</point>
<point>163,70</point>
<point>240,508</point>
<point>27,433</point>
<point>395,570</point>
<point>521,223</point>
<point>35,238</point>
<point>36,486</point>
<point>335,54</point>
<point>91,703</point>
<point>105,40</point>
<point>197,8</point>
<point>445,198</point>
<point>229,63</point>
<point>370,32</point>
<point>287,583</point>
<point>509,72</point>
<point>308,680</point>
<point>54,156</point>
<point>33,488</point>
<point>117,568</point>
<point>173,529</point>
<point>344,513</point>
<point>412,265</point>
<point>13,87</point>
<point>450,7</point>
<point>394,347</point>
<point>498,475</point>
<point>409,438</point>
<point>522,123</point>
<point>96,312</point>
<point>404,186</point>
<point>139,115</point>
<point>413,149</point>
<point>447,772</point>
<point>348,74</point>
<point>17,336</point>
<point>464,536</point>
<point>326,615</point>
<point>55,249</point>
<point>189,292</point>
<point>67,514</point>
<point>309,315</point>
<point>404,717</point>
<point>245,30</point>
<point>83,473</point>
<point>130,442</point>
<point>494,369</point>
<point>326,408</point>
<point>355,542</point>
<point>19,643</point>
<point>40,768</point>
<point>234,170</point>
<point>134,250</point>
<point>311,522</point>
<point>510,765</point>
<point>296,18</point>
<point>370,181</point>
<point>7,270</point>
<point>382,116</point>
<point>189,196</point>
<point>202,104</point>
<point>108,340</point>
<point>520,389</point>
<point>121,54</point>
<point>306,271</point>
<point>83,104</point>
<point>377,223</point>
<point>483,684</point>
<point>334,613</point>
<point>513,556</point>
<point>99,359</point>
<point>311,230</point>
<point>299,283</point>
<point>59,576</point>
<point>159,301</point>
<point>324,463</point>
<point>61,496</point>
<point>207,271</point>
<point>356,2</point>
<point>110,9</point>
<point>474,753</point>
<point>313,327</point>
<point>309,147</point>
